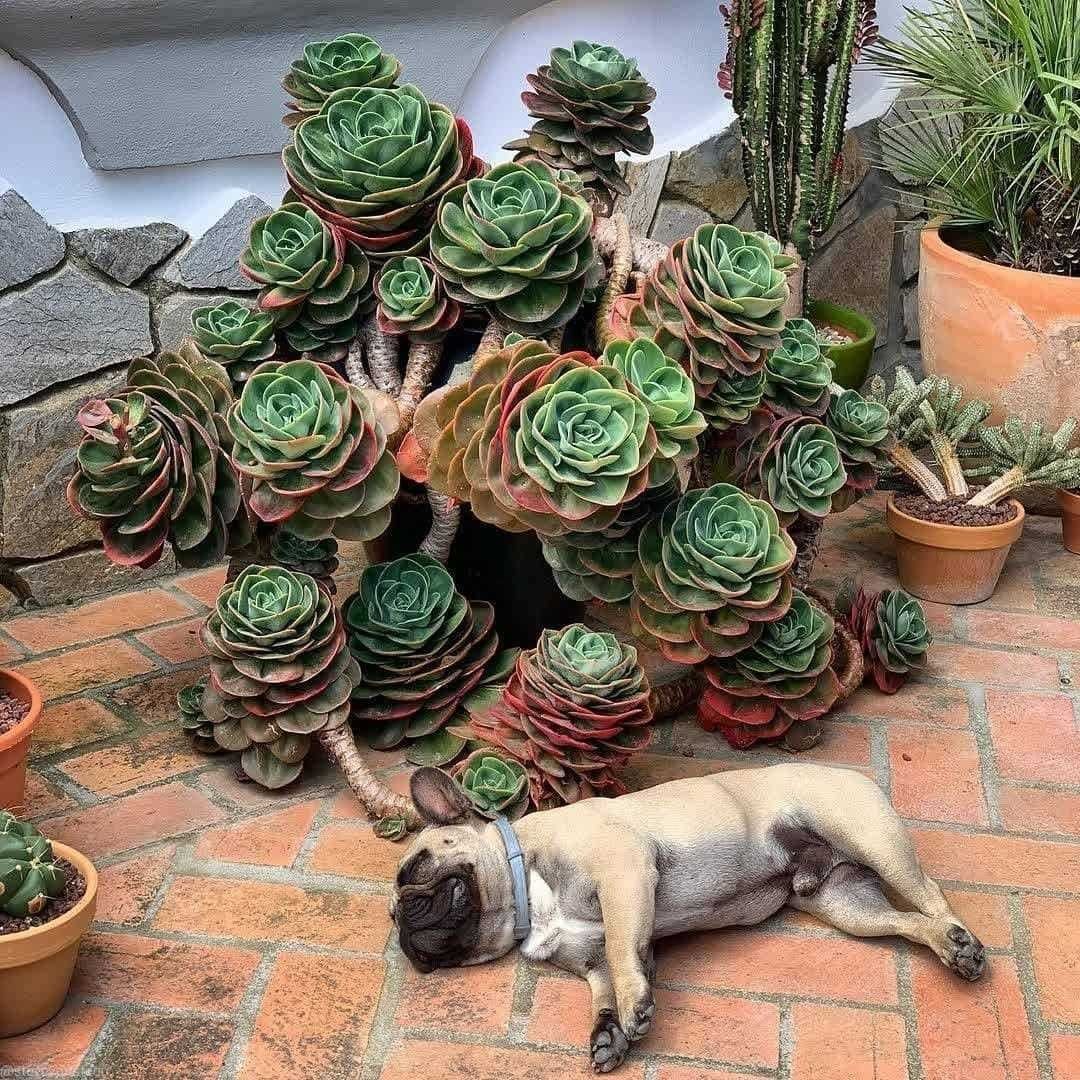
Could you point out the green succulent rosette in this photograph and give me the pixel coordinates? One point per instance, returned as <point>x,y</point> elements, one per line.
<point>669,396</point>
<point>29,874</point>
<point>235,335</point>
<point>732,399</point>
<point>279,670</point>
<point>715,303</point>
<point>412,300</point>
<point>315,557</point>
<point>577,449</point>
<point>374,161</point>
<point>193,721</point>
<point>801,468</point>
<point>314,451</point>
<point>861,427</point>
<point>712,568</point>
<point>518,243</point>
<point>347,62</point>
<point>798,373</point>
<point>902,636</point>
<point>496,785</point>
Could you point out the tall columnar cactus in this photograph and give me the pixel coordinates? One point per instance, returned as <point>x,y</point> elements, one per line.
<point>29,875</point>
<point>788,74</point>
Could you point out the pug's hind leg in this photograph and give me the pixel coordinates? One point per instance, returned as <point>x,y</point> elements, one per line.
<point>608,1044</point>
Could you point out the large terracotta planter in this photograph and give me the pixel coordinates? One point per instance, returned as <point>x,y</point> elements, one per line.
<point>1011,337</point>
<point>951,564</point>
<point>15,744</point>
<point>36,966</point>
<point>1069,501</point>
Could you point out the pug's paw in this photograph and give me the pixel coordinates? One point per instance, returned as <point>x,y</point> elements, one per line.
<point>608,1045</point>
<point>640,1020</point>
<point>966,955</point>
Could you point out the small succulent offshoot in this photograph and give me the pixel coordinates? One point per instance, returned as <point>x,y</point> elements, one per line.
<point>496,785</point>
<point>194,722</point>
<point>891,628</point>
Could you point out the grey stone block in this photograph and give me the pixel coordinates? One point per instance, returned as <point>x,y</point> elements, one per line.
<point>909,257</point>
<point>211,261</point>
<point>676,219</point>
<point>29,245</point>
<point>911,315</point>
<point>646,180</point>
<point>65,326</point>
<point>710,175</point>
<point>126,254</point>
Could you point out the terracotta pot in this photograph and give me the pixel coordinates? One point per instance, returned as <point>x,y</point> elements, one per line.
<point>36,966</point>
<point>1069,501</point>
<point>951,564</point>
<point>15,744</point>
<point>1011,337</point>
<point>852,360</point>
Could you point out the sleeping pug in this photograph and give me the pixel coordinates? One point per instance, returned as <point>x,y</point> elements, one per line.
<point>597,882</point>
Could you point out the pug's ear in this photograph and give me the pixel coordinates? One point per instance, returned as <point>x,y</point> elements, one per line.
<point>438,799</point>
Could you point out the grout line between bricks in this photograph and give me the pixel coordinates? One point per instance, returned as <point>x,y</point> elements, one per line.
<point>989,777</point>
<point>908,1011</point>
<point>1029,987</point>
<point>384,1029</point>
<point>247,1016</point>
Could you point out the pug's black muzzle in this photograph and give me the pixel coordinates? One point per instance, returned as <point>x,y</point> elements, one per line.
<point>437,922</point>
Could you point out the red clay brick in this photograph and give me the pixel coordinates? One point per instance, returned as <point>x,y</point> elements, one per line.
<point>136,762</point>
<point>469,1000</point>
<point>223,781</point>
<point>992,666</point>
<point>686,1024</point>
<point>834,1043</point>
<point>1015,591</point>
<point>96,620</point>
<point>314,1019</point>
<point>977,1031</point>
<point>149,1046</point>
<point>1056,952</point>
<point>1035,736</point>
<point>269,840</point>
<point>9,651</point>
<point>1038,631</point>
<point>80,669</point>
<point>767,963</point>
<point>152,702</point>
<point>1065,1056</point>
<point>1033,810</point>
<point>109,828</point>
<point>939,617</point>
<point>73,723</point>
<point>255,911</point>
<point>998,860</point>
<point>145,971</point>
<point>204,585</point>
<point>693,1072</point>
<point>43,797</point>
<point>58,1048</point>
<point>985,914</point>
<point>453,1061</point>
<point>355,851</point>
<point>841,744</point>
<point>178,643</point>
<point>916,703</point>
<point>126,889</point>
<point>935,775</point>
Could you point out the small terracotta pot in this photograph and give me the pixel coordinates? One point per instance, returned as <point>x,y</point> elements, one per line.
<point>1069,501</point>
<point>36,965</point>
<point>851,362</point>
<point>15,744</point>
<point>951,564</point>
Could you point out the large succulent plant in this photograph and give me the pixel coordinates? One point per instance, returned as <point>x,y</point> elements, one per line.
<point>517,242</point>
<point>421,645</point>
<point>573,712</point>
<point>412,300</point>
<point>29,874</point>
<point>801,469</point>
<point>234,335</point>
<point>315,453</point>
<point>798,373</point>
<point>863,436</point>
<point>715,302</point>
<point>348,61</point>
<point>374,161</point>
<point>280,671</point>
<point>891,627</point>
<point>784,675</point>
<point>669,397</point>
<point>152,467</point>
<point>496,784</point>
<point>733,399</point>
<point>590,103</point>
<point>711,570</point>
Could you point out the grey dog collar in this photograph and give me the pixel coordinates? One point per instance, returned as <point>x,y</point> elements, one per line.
<point>516,858</point>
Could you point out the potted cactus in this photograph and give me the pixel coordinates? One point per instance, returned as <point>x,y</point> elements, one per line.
<point>48,894</point>
<point>951,540</point>
<point>20,710</point>
<point>788,74</point>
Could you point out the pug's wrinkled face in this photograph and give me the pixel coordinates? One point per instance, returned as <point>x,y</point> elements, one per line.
<point>438,902</point>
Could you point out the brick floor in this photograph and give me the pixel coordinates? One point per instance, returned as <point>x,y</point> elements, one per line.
<point>243,934</point>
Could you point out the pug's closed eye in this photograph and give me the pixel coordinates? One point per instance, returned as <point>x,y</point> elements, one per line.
<point>416,870</point>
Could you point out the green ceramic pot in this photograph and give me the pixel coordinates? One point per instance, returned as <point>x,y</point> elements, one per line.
<point>853,360</point>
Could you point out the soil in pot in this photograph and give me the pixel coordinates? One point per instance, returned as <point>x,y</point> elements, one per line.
<point>74,891</point>
<point>834,335</point>
<point>955,511</point>
<point>13,711</point>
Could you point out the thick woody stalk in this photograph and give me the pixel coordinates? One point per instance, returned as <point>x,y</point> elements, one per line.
<point>621,264</point>
<point>379,801</point>
<point>382,351</point>
<point>445,518</point>
<point>646,254</point>
<point>997,490</point>
<point>419,370</point>
<point>951,469</point>
<point>916,471</point>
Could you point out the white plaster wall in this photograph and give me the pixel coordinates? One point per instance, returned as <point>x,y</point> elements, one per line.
<point>678,43</point>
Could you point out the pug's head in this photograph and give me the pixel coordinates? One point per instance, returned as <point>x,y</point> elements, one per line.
<point>453,897</point>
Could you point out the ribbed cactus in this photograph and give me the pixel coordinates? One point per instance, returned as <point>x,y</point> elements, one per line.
<point>1024,454</point>
<point>29,875</point>
<point>944,421</point>
<point>904,402</point>
<point>788,73</point>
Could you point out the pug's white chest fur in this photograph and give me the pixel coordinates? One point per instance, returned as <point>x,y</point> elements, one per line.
<point>552,930</point>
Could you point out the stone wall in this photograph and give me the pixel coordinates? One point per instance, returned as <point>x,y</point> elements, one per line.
<point>75,309</point>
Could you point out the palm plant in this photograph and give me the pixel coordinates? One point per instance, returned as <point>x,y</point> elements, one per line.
<point>993,121</point>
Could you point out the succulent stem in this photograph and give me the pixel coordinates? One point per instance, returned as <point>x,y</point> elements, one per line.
<point>445,518</point>
<point>382,358</point>
<point>621,264</point>
<point>914,469</point>
<point>419,369</point>
<point>646,254</point>
<point>994,492</point>
<point>951,469</point>
<point>379,801</point>
<point>354,365</point>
